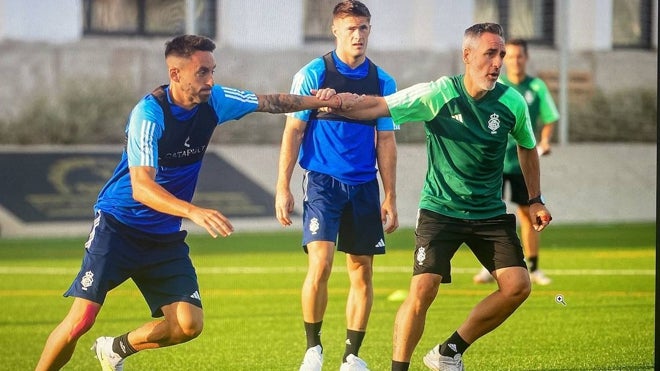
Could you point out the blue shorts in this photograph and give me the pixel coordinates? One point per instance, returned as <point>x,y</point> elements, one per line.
<point>159,265</point>
<point>352,212</point>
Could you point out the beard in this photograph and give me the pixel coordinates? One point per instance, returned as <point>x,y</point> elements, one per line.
<point>487,85</point>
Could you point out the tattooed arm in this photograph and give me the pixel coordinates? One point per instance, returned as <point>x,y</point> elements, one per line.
<point>280,103</point>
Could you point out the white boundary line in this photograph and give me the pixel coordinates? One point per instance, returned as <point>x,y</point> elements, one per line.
<point>284,270</point>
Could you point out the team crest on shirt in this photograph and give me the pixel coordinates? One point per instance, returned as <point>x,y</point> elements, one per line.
<point>421,255</point>
<point>529,97</point>
<point>494,123</point>
<point>314,225</point>
<point>87,280</point>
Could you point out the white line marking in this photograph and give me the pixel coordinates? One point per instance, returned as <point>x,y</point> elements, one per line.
<point>284,270</point>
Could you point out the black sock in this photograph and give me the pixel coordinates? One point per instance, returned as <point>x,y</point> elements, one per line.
<point>453,345</point>
<point>400,366</point>
<point>313,334</point>
<point>121,346</point>
<point>533,263</point>
<point>353,342</point>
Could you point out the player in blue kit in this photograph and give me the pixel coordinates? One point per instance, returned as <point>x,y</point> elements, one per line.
<point>342,199</point>
<point>137,230</point>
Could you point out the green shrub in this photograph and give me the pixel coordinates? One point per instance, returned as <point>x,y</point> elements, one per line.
<point>89,113</point>
<point>625,116</point>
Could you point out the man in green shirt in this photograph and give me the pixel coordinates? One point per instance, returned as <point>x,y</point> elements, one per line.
<point>468,119</point>
<point>541,108</point>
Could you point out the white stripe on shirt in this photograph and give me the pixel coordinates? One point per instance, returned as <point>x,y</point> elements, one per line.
<point>146,146</point>
<point>240,95</point>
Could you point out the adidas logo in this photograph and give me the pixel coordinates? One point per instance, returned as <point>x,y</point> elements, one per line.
<point>195,295</point>
<point>348,341</point>
<point>453,347</point>
<point>380,243</point>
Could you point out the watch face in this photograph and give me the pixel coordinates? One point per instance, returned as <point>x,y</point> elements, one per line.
<point>542,199</point>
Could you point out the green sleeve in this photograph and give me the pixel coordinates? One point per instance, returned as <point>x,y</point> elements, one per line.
<point>522,131</point>
<point>547,109</point>
<point>420,102</point>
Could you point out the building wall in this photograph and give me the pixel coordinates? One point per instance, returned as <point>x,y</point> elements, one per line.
<point>257,24</point>
<point>260,47</point>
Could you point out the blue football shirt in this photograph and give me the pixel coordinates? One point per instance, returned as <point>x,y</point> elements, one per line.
<point>343,150</point>
<point>145,131</point>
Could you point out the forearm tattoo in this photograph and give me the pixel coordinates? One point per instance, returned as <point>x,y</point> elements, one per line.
<point>280,103</point>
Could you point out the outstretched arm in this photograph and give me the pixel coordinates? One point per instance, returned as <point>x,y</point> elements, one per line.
<point>281,103</point>
<point>360,107</point>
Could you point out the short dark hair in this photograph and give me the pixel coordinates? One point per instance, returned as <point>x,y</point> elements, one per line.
<point>186,45</point>
<point>518,42</point>
<point>475,31</point>
<point>349,8</point>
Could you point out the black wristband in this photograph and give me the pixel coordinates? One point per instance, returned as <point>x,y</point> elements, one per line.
<point>536,200</point>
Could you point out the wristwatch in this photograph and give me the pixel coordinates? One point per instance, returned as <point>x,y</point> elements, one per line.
<point>536,200</point>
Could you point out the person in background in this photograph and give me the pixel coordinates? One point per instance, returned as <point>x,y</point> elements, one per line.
<point>542,109</point>
<point>342,196</point>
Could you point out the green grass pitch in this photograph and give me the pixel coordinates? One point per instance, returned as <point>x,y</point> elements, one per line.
<point>250,286</point>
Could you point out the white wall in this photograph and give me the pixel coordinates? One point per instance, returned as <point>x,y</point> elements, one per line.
<point>260,24</point>
<point>419,24</point>
<point>265,24</point>
<point>590,25</point>
<point>35,20</point>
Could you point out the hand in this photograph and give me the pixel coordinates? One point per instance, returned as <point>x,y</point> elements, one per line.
<point>330,95</point>
<point>540,216</point>
<point>543,148</point>
<point>348,100</point>
<point>212,220</point>
<point>389,217</point>
<point>283,207</point>
<point>324,94</point>
<point>339,101</point>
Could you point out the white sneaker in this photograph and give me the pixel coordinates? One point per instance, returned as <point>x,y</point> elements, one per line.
<point>539,277</point>
<point>110,361</point>
<point>313,360</point>
<point>483,276</point>
<point>437,362</point>
<point>353,363</point>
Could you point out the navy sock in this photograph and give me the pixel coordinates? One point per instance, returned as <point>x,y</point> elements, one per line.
<point>121,346</point>
<point>400,366</point>
<point>353,342</point>
<point>533,263</point>
<point>313,334</point>
<point>453,345</point>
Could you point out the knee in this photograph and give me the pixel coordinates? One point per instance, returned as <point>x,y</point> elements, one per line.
<point>319,270</point>
<point>519,291</point>
<point>184,331</point>
<point>423,292</point>
<point>81,322</point>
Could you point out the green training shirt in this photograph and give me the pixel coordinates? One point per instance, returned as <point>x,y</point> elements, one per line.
<point>541,108</point>
<point>466,140</point>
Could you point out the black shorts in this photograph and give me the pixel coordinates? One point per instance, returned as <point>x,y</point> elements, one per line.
<point>437,238</point>
<point>518,188</point>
